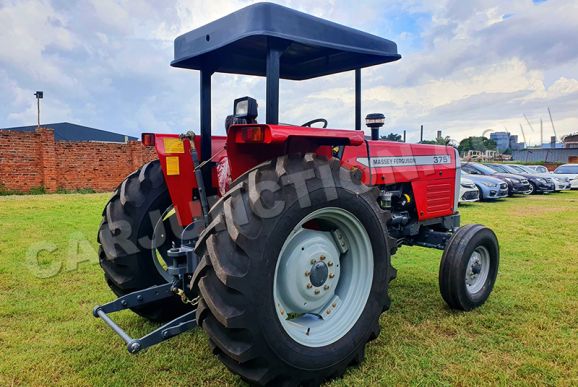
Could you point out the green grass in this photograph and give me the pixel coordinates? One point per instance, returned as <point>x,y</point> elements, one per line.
<point>527,333</point>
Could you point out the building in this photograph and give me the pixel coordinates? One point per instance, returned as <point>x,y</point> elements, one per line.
<point>514,144</point>
<point>505,141</point>
<point>571,141</point>
<point>553,144</point>
<point>66,131</point>
<point>502,140</point>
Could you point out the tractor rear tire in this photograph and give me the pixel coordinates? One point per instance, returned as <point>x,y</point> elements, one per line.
<point>469,267</point>
<point>243,252</point>
<point>126,240</point>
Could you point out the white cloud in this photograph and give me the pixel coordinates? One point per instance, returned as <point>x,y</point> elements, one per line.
<point>466,67</point>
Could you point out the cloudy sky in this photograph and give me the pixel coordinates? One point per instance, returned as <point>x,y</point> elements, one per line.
<point>467,66</point>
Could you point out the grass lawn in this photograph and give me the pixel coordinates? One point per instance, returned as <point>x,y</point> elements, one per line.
<point>527,333</point>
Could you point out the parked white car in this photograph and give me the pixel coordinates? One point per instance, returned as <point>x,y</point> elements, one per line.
<point>468,191</point>
<point>561,183</point>
<point>570,171</point>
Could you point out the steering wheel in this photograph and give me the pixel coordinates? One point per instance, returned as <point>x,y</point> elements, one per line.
<point>309,123</point>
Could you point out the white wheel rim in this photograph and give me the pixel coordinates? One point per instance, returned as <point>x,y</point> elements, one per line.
<point>323,277</point>
<point>477,270</point>
<point>159,233</point>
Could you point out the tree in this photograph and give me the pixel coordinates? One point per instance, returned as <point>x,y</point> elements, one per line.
<point>476,143</point>
<point>392,137</point>
<point>444,141</point>
<point>440,141</point>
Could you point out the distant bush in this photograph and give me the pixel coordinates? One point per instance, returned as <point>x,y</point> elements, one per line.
<point>61,190</point>
<point>32,191</point>
<point>37,190</point>
<point>41,190</point>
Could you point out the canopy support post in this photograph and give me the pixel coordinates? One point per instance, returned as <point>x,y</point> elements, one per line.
<point>274,52</point>
<point>205,98</point>
<point>205,114</point>
<point>357,99</point>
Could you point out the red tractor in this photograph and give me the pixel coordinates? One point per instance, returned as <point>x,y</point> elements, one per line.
<point>277,239</point>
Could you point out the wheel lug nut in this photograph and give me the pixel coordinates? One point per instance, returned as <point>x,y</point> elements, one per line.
<point>331,275</point>
<point>327,311</point>
<point>309,286</point>
<point>316,291</point>
<point>325,287</point>
<point>334,304</point>
<point>322,257</point>
<point>330,263</point>
<point>307,274</point>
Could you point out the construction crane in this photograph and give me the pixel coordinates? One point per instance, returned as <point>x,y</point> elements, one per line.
<point>552,122</point>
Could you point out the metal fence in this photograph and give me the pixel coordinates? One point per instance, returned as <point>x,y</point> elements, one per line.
<point>545,155</point>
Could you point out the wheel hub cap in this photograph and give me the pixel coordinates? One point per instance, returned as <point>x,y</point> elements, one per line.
<point>309,271</point>
<point>477,270</point>
<point>319,274</point>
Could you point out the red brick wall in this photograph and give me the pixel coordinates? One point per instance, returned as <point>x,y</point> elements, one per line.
<point>34,159</point>
<point>19,161</point>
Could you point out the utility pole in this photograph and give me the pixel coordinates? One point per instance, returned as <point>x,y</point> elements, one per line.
<point>39,95</point>
<point>541,133</point>
<point>421,135</point>
<point>404,136</point>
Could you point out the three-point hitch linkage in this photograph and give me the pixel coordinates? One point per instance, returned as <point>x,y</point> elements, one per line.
<point>183,262</point>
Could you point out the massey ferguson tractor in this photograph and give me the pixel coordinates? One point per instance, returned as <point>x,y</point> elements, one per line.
<point>277,239</point>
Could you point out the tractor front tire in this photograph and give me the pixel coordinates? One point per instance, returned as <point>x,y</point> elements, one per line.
<point>469,267</point>
<point>295,271</point>
<point>127,242</point>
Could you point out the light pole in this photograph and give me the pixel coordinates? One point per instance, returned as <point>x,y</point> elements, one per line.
<point>39,95</point>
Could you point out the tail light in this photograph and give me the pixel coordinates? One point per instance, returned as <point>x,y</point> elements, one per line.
<point>253,134</point>
<point>148,139</point>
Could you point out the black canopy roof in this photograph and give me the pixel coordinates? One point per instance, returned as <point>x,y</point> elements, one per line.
<point>237,43</point>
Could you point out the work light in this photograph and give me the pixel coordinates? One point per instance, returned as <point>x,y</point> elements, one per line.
<point>246,108</point>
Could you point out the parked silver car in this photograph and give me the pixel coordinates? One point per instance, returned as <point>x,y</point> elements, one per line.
<point>490,187</point>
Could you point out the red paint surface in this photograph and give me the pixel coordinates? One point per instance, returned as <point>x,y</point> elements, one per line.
<point>433,185</point>
<point>181,186</point>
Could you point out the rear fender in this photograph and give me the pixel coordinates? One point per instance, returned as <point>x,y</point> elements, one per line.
<point>177,165</point>
<point>277,140</point>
